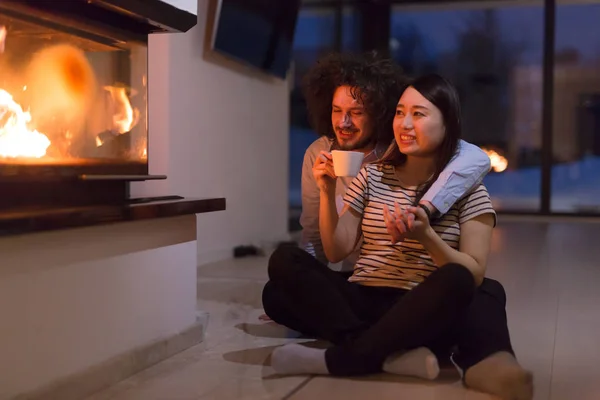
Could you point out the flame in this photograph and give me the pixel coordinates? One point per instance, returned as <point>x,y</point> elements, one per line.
<point>125,116</point>
<point>63,86</point>
<point>498,162</point>
<point>2,38</point>
<point>16,139</point>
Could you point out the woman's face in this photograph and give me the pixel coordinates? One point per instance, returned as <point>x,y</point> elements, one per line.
<point>418,125</point>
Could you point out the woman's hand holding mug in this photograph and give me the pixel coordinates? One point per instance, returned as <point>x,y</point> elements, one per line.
<point>323,172</point>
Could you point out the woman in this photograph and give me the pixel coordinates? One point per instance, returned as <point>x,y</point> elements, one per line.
<point>423,292</point>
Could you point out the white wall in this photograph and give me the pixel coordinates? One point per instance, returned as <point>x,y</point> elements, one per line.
<point>73,299</point>
<point>218,131</point>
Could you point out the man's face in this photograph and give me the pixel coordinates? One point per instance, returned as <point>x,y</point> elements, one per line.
<point>350,122</point>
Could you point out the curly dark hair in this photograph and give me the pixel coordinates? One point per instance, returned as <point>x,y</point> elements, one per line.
<point>376,82</point>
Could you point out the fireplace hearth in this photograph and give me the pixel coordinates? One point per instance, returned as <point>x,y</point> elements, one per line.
<point>74,112</point>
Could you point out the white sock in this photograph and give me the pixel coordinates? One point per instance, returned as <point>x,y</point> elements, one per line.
<point>295,359</point>
<point>420,363</point>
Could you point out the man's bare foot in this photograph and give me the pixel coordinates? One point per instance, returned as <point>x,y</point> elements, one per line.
<point>264,317</point>
<point>500,374</point>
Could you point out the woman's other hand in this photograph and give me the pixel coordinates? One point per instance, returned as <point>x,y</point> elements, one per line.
<point>402,223</point>
<point>418,222</point>
<point>396,227</point>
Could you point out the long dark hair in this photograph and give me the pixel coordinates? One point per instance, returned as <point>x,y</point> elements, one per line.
<point>375,82</point>
<point>442,94</point>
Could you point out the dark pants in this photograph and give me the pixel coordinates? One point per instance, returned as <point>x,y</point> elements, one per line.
<point>367,324</point>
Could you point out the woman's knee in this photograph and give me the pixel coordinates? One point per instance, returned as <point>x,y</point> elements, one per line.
<point>495,289</point>
<point>271,301</point>
<point>285,261</point>
<point>280,262</point>
<point>459,277</point>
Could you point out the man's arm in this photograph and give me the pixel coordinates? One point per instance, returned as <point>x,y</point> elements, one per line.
<point>309,219</point>
<point>464,172</point>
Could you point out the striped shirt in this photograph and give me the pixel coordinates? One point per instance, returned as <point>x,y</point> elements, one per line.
<point>464,172</point>
<point>403,265</point>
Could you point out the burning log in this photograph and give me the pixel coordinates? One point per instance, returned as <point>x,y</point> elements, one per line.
<point>113,145</point>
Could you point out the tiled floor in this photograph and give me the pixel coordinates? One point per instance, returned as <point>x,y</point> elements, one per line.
<point>550,271</point>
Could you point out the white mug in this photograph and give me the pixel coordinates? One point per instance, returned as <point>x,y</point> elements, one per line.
<point>347,163</point>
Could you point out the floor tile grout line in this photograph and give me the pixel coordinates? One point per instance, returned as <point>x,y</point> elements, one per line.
<point>554,345</point>
<point>556,281</point>
<point>228,278</point>
<point>297,388</point>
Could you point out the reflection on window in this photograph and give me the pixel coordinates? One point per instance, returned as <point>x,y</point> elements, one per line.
<point>576,111</point>
<point>494,57</point>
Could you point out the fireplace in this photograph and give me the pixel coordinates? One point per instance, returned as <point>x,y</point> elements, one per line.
<point>74,101</point>
<point>90,260</point>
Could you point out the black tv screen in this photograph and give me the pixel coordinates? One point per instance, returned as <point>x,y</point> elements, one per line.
<point>257,32</point>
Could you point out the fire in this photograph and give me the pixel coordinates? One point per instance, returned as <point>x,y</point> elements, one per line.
<point>125,116</point>
<point>499,163</point>
<point>61,89</point>
<point>2,38</point>
<point>16,139</point>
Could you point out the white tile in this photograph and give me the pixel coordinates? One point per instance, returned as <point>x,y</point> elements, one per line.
<point>384,387</point>
<point>577,350</point>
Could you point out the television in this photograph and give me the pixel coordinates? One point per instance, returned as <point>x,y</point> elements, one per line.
<point>259,33</point>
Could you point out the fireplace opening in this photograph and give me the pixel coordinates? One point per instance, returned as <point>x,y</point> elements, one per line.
<point>74,100</point>
<point>74,113</point>
<point>70,105</point>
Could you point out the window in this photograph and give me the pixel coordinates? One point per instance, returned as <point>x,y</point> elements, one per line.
<point>576,110</point>
<point>494,57</point>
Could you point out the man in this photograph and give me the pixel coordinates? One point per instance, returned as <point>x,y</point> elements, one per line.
<point>352,101</point>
